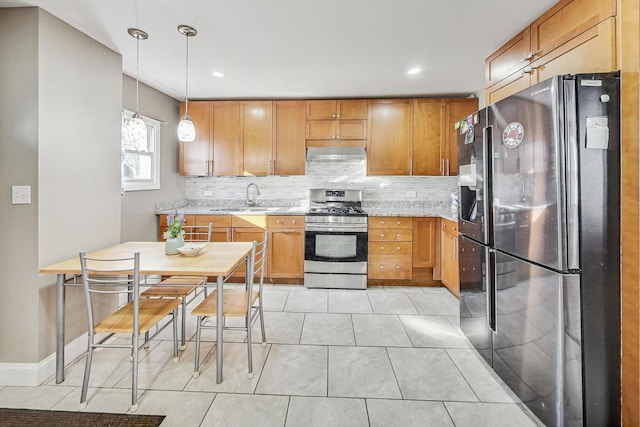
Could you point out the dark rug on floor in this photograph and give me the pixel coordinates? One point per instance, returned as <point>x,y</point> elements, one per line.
<point>32,417</point>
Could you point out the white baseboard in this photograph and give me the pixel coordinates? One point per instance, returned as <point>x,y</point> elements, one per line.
<point>34,374</point>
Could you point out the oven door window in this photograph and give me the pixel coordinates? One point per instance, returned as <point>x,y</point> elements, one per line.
<point>332,246</point>
<point>335,246</point>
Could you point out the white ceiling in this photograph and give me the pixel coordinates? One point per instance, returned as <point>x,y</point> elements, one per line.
<point>303,48</point>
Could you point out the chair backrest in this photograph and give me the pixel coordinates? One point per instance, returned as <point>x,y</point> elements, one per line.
<point>110,276</point>
<point>197,233</point>
<point>259,259</point>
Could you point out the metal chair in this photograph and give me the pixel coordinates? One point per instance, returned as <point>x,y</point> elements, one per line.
<point>245,303</point>
<point>181,287</point>
<point>121,277</point>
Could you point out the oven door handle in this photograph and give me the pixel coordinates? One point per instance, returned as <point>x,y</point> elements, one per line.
<point>332,228</point>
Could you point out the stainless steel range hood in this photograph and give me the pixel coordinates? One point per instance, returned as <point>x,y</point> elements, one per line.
<point>335,154</point>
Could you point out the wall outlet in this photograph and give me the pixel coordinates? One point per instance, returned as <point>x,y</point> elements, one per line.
<point>410,194</point>
<point>207,193</point>
<point>21,194</point>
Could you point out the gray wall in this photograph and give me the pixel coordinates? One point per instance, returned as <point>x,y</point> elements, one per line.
<point>138,207</point>
<point>18,166</point>
<point>60,114</point>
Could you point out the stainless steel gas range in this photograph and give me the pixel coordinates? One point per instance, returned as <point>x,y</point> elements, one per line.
<point>336,240</point>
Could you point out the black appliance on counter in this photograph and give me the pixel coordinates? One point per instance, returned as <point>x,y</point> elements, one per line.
<point>539,217</point>
<point>336,240</point>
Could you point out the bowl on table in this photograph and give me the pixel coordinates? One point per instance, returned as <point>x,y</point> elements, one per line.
<point>191,249</point>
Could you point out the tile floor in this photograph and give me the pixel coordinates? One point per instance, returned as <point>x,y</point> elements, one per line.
<point>387,356</point>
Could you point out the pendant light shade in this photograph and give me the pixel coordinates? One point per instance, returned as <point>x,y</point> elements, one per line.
<point>186,130</point>
<point>136,128</point>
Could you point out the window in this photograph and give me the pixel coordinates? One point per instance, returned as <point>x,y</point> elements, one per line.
<point>141,160</point>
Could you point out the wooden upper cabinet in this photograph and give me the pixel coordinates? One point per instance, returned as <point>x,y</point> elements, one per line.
<point>225,119</point>
<point>592,51</point>
<point>457,109</point>
<point>390,137</point>
<point>574,36</point>
<point>566,20</point>
<point>351,109</point>
<point>327,109</point>
<point>428,130</point>
<point>195,156</point>
<point>336,129</point>
<point>288,138</point>
<point>511,57</point>
<point>257,122</point>
<point>435,139</point>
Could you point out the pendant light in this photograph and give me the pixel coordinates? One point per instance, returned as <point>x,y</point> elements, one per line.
<point>186,130</point>
<point>136,128</point>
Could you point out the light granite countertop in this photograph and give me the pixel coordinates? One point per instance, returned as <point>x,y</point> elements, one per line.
<point>427,209</point>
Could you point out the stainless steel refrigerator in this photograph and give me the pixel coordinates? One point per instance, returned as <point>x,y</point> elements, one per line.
<point>539,250</point>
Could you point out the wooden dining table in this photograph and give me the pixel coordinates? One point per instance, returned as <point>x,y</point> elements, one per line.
<point>219,259</point>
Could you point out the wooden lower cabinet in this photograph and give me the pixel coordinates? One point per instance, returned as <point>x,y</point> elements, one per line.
<point>390,248</point>
<point>399,247</point>
<point>286,247</point>
<point>425,233</point>
<point>449,256</point>
<point>221,224</point>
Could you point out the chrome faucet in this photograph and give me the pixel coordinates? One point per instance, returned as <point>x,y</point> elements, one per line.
<point>252,201</point>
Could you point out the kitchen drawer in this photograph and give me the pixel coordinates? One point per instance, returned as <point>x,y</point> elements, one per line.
<point>217,220</point>
<point>390,222</point>
<point>249,221</point>
<point>397,267</point>
<point>286,221</point>
<point>390,248</point>
<point>391,235</point>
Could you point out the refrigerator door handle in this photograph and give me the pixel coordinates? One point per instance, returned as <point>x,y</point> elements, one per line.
<point>572,195</point>
<point>487,136</point>
<point>492,279</point>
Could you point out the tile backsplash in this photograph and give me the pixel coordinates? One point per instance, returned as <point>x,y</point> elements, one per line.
<point>294,190</point>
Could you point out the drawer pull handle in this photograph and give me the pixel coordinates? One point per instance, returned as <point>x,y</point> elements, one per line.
<point>294,221</point>
<point>278,221</point>
<point>382,248</point>
<point>398,267</point>
<point>381,221</point>
<point>397,248</point>
<point>381,266</point>
<point>398,222</point>
<point>381,234</point>
<point>397,234</point>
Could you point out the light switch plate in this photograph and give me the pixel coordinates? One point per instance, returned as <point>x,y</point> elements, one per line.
<point>21,194</point>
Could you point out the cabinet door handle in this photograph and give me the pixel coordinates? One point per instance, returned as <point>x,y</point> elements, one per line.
<point>337,116</point>
<point>381,266</point>
<point>397,267</point>
<point>381,234</point>
<point>528,57</point>
<point>382,248</point>
<point>455,249</point>
<point>382,222</point>
<point>293,222</point>
<point>529,70</point>
<point>442,168</point>
<point>397,234</point>
<point>397,248</point>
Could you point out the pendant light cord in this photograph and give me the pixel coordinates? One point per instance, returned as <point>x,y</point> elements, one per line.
<point>186,90</point>
<point>137,71</point>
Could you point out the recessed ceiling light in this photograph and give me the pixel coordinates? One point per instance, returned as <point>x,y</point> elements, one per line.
<point>413,71</point>
<point>218,74</point>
